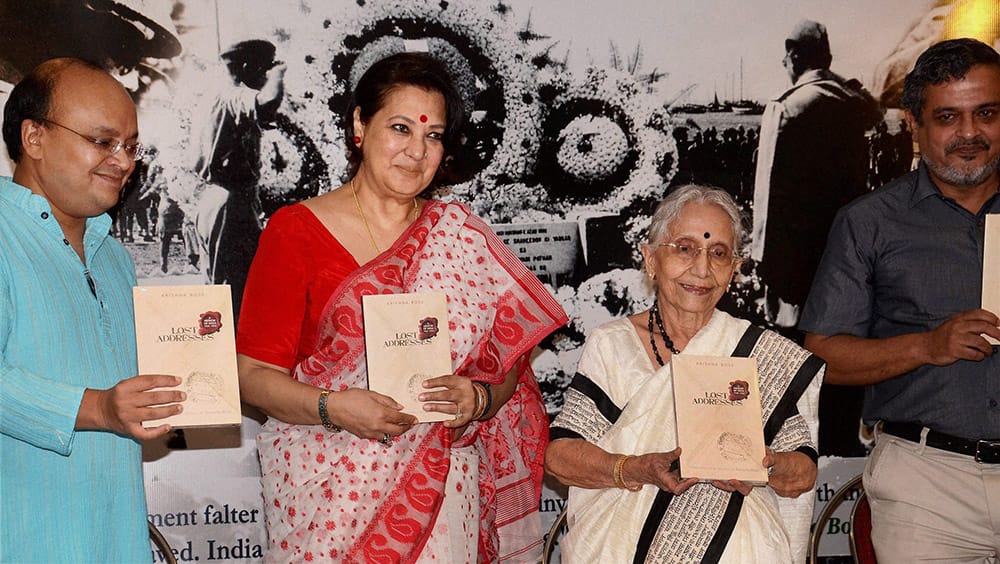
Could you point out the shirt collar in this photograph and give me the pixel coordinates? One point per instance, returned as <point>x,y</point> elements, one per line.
<point>813,75</point>
<point>38,208</point>
<point>925,187</point>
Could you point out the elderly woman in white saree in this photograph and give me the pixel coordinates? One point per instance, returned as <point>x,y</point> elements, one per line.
<point>615,444</point>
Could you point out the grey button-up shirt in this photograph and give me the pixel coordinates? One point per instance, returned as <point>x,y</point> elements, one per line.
<point>902,260</point>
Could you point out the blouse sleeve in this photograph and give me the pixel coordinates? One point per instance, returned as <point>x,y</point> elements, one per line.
<point>274,301</point>
<point>588,409</point>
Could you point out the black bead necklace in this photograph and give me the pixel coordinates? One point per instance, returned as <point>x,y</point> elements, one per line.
<point>655,312</point>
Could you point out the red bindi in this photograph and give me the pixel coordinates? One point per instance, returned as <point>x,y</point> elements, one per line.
<point>423,118</point>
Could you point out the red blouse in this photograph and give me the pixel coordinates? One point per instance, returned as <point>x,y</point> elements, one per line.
<point>297,267</point>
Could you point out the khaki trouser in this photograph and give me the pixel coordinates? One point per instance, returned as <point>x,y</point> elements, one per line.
<point>930,505</point>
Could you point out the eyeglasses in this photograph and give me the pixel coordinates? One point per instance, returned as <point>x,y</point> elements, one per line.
<point>685,251</point>
<point>134,149</point>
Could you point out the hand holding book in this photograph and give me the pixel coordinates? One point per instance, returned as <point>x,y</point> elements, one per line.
<point>658,469</point>
<point>453,395</point>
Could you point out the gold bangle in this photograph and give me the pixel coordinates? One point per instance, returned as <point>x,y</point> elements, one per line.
<point>619,478</point>
<point>480,401</point>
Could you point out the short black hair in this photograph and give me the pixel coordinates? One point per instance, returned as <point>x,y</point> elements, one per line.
<point>31,99</point>
<point>407,69</point>
<point>943,62</point>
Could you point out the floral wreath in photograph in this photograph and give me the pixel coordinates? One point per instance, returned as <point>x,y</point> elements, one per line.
<point>479,47</point>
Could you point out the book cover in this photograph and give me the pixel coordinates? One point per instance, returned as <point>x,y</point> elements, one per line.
<point>719,418</point>
<point>991,268</point>
<point>188,331</point>
<point>406,342</point>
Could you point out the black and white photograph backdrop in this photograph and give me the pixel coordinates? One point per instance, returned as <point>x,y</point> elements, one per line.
<point>584,114</point>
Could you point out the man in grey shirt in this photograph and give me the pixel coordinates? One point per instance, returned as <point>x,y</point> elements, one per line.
<point>895,306</point>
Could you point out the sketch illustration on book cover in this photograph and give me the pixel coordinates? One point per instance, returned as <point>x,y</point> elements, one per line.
<point>208,391</point>
<point>735,447</point>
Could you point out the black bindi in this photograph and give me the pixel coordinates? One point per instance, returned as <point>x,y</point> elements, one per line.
<point>708,235</point>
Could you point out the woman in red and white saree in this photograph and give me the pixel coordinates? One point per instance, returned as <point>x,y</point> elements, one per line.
<point>384,489</point>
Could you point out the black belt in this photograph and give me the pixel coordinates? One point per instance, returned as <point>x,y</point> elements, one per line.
<point>985,450</point>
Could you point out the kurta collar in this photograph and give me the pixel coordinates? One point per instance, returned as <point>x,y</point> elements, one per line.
<point>40,211</point>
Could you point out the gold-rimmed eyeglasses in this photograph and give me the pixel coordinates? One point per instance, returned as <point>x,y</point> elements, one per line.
<point>134,149</point>
<point>686,251</point>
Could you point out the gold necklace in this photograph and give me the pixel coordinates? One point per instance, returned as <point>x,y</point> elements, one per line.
<point>368,229</point>
<point>364,219</point>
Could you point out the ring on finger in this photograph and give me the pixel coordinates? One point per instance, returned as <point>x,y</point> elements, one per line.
<point>458,414</point>
<point>386,439</point>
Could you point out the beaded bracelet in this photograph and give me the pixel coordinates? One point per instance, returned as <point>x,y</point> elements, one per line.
<point>489,400</point>
<point>617,474</point>
<point>324,417</point>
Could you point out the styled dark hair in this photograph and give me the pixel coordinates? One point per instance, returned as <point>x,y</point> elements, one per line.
<point>32,99</point>
<point>943,62</point>
<point>406,69</point>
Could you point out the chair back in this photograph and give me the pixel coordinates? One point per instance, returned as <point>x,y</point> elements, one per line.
<point>861,531</point>
<point>838,497</point>
<point>557,529</point>
<point>161,544</point>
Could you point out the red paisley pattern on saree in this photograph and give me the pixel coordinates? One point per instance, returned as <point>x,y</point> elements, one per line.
<point>337,497</point>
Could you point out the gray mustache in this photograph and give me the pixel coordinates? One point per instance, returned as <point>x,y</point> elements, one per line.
<point>978,142</point>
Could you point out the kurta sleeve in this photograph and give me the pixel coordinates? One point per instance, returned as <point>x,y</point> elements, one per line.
<point>36,410</point>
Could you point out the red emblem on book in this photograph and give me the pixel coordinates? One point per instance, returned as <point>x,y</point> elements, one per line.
<point>739,390</point>
<point>428,328</point>
<point>209,322</point>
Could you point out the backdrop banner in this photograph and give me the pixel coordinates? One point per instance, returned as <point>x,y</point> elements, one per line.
<point>585,113</point>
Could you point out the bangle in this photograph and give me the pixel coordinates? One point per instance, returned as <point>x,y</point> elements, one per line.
<point>324,417</point>
<point>480,400</point>
<point>489,401</point>
<point>617,474</point>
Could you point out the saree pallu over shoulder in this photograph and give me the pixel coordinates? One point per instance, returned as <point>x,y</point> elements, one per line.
<point>353,500</point>
<point>653,525</point>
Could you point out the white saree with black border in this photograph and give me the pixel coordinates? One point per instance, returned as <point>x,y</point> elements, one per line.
<point>621,402</point>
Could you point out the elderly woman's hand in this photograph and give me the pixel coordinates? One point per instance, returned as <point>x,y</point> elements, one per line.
<point>734,486</point>
<point>793,473</point>
<point>654,468</point>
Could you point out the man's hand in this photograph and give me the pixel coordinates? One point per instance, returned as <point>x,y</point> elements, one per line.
<point>960,337</point>
<point>122,408</point>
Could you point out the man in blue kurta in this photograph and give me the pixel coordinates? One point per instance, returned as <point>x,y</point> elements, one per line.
<point>71,407</point>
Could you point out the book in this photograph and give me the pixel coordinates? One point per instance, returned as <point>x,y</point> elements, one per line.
<point>991,268</point>
<point>406,342</point>
<point>188,331</point>
<point>719,418</point>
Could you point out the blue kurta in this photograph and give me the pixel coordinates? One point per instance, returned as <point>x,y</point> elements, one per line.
<point>66,496</point>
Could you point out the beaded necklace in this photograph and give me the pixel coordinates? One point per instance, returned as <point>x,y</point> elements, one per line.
<point>654,312</point>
